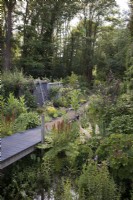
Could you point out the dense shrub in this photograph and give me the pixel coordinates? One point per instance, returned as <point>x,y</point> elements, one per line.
<point>11,82</point>
<point>61,147</point>
<point>129,78</point>
<point>14,82</point>
<point>111,117</point>
<point>121,124</point>
<point>83,84</point>
<point>66,193</point>
<point>96,104</point>
<point>6,126</point>
<point>13,106</point>
<point>96,112</point>
<point>75,99</point>
<point>14,116</point>
<point>17,84</point>
<point>95,183</point>
<point>26,121</point>
<point>30,99</point>
<point>71,80</point>
<point>118,117</point>
<point>51,111</point>
<point>54,92</point>
<point>61,102</point>
<point>117,149</point>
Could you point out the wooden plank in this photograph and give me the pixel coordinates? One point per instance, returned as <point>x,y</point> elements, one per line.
<point>14,158</point>
<point>16,143</point>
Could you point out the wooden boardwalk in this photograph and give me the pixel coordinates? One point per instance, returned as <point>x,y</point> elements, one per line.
<point>18,145</point>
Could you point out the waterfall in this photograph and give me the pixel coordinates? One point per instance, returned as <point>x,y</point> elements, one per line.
<point>41,89</point>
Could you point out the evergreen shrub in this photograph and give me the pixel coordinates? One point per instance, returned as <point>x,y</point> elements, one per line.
<point>95,183</point>
<point>27,121</point>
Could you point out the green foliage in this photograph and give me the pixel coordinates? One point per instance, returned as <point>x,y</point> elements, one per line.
<point>11,81</point>
<point>75,99</point>
<point>45,51</point>
<point>11,109</point>
<point>117,149</point>
<point>48,118</point>
<point>61,147</point>
<point>61,112</point>
<point>20,183</point>
<point>95,183</point>
<point>64,98</point>
<point>83,84</point>
<point>30,99</point>
<point>26,121</point>
<point>64,189</point>
<point>54,93</point>
<point>6,127</point>
<point>84,121</point>
<point>85,153</point>
<point>73,80</point>
<point>129,79</point>
<point>26,180</point>
<point>111,52</point>
<point>95,112</point>
<point>95,107</point>
<point>14,82</point>
<point>118,117</point>
<point>14,116</point>
<point>40,49</point>
<point>14,106</point>
<point>121,124</point>
<point>51,111</point>
<point>17,84</point>
<point>67,193</point>
<point>60,102</point>
<point>2,103</point>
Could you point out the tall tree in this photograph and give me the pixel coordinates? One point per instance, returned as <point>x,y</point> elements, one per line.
<point>9,6</point>
<point>80,50</point>
<point>130,27</point>
<point>96,13</point>
<point>73,50</point>
<point>40,22</point>
<point>111,52</point>
<point>1,33</point>
<point>131,17</point>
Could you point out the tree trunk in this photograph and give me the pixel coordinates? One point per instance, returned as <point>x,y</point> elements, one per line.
<point>42,194</point>
<point>1,34</point>
<point>24,48</point>
<point>1,45</point>
<point>7,53</point>
<point>71,56</point>
<point>9,6</point>
<point>89,75</point>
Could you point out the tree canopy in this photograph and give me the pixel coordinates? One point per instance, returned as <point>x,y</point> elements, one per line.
<point>37,37</point>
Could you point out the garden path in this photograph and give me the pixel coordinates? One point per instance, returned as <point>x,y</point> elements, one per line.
<point>18,145</point>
